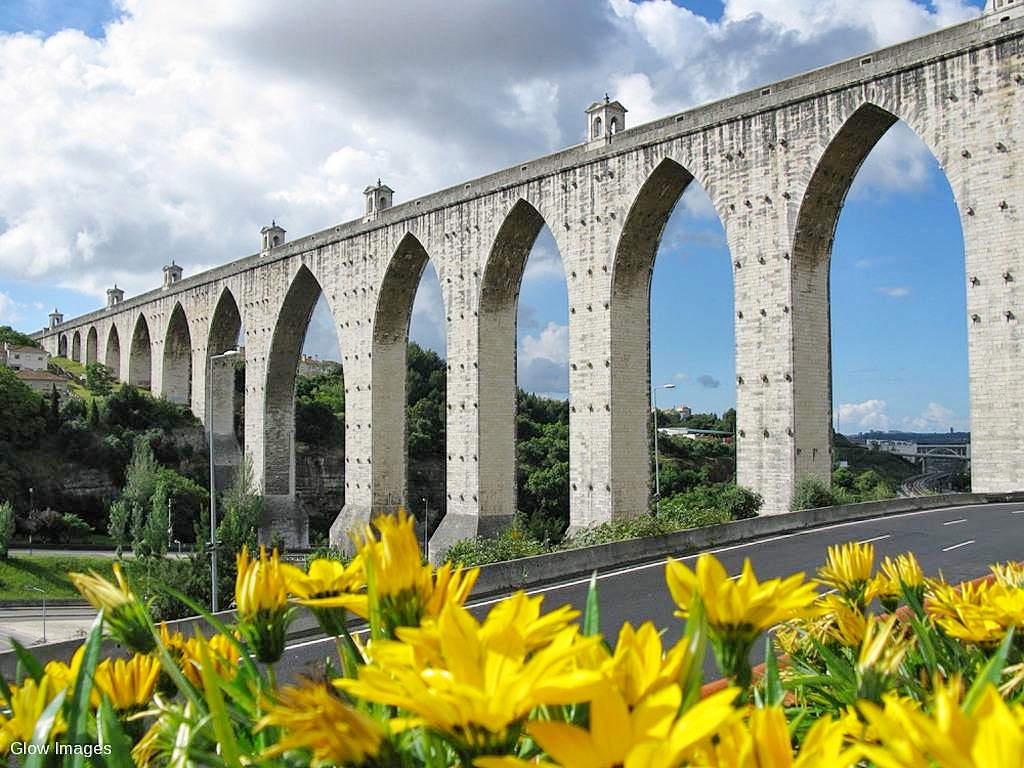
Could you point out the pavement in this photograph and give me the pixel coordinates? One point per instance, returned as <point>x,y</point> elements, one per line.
<point>25,624</point>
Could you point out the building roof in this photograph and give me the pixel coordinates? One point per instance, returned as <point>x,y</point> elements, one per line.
<point>39,376</point>
<point>24,348</point>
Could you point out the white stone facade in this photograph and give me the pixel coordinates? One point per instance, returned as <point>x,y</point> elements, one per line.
<point>777,163</point>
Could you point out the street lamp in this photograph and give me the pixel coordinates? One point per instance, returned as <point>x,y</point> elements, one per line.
<point>31,507</point>
<point>213,483</point>
<point>426,517</point>
<point>657,473</point>
<point>43,592</point>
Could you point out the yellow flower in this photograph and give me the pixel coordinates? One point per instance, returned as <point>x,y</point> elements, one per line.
<point>647,735</point>
<point>223,656</point>
<point>25,705</point>
<point>128,683</point>
<point>980,613</point>
<point>737,610</point>
<point>126,617</point>
<point>895,576</point>
<point>403,590</point>
<point>1009,574</point>
<point>330,589</point>
<point>845,624</point>
<point>638,667</point>
<point>848,569</point>
<point>313,717</point>
<point>989,735</point>
<point>764,742</point>
<point>261,599</point>
<point>459,679</point>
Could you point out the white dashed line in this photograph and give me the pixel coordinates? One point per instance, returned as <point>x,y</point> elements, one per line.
<point>1017,512</point>
<point>876,538</point>
<point>957,546</point>
<point>954,522</point>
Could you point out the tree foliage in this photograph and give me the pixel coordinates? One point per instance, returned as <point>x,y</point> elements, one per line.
<point>6,527</point>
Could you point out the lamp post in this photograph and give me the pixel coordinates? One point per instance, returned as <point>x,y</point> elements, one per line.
<point>43,592</point>
<point>213,482</point>
<point>31,506</point>
<point>426,517</point>
<point>657,472</point>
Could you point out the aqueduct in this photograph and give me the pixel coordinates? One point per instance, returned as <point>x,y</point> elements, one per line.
<point>776,162</point>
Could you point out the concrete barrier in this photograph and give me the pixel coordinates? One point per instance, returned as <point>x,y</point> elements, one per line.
<point>528,572</point>
<point>557,566</point>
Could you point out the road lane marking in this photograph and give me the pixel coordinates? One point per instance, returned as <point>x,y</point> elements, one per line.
<point>954,522</point>
<point>661,563</point>
<point>957,546</point>
<point>1017,512</point>
<point>876,538</point>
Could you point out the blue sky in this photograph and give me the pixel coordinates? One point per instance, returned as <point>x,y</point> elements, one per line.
<point>153,131</point>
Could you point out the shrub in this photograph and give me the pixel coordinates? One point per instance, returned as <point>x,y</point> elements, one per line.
<point>512,543</point>
<point>73,529</point>
<point>6,528</point>
<point>811,493</point>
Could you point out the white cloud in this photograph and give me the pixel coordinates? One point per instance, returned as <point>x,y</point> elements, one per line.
<point>935,418</point>
<point>544,263</point>
<point>8,314</point>
<point>893,292</point>
<point>543,360</point>
<point>192,124</point>
<point>870,414</point>
<point>899,163</point>
<point>862,263</point>
<point>428,327</point>
<point>681,376</point>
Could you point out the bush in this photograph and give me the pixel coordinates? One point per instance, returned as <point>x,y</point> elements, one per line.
<point>811,493</point>
<point>73,529</point>
<point>512,543</point>
<point>6,528</point>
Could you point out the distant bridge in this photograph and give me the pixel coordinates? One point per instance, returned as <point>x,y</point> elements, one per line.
<point>777,163</point>
<point>921,452</point>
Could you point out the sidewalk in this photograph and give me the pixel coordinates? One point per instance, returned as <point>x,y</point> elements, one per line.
<point>25,624</point>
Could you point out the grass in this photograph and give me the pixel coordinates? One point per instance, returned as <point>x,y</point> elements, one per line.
<point>74,385</point>
<point>47,572</point>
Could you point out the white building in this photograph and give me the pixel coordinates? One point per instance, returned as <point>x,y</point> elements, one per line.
<point>21,358</point>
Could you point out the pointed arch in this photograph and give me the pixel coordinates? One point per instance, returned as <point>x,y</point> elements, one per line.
<point>76,347</point>
<point>62,345</point>
<point>499,297</point>
<point>219,397</point>
<point>282,366</point>
<point>112,353</point>
<point>630,315</point>
<point>140,355</point>
<point>177,362</point>
<point>813,241</point>
<point>91,345</point>
<point>388,371</point>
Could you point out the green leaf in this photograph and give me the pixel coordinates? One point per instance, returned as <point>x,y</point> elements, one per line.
<point>695,641</point>
<point>41,733</point>
<point>79,711</point>
<point>592,613</point>
<point>109,733</point>
<point>925,645</point>
<point>773,692</point>
<point>26,662</point>
<point>989,674</point>
<point>215,701</point>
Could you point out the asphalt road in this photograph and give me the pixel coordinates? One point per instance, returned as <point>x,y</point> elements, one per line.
<point>958,541</point>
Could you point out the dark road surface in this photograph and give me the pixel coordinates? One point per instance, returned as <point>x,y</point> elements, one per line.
<point>958,541</point>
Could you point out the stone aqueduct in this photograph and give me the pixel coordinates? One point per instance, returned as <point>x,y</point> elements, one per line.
<point>777,163</point>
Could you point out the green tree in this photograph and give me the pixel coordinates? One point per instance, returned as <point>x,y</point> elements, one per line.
<point>10,336</point>
<point>6,527</point>
<point>99,379</point>
<point>155,539</point>
<point>241,509</point>
<point>118,525</point>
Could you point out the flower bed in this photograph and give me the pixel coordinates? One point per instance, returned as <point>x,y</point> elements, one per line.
<point>935,680</point>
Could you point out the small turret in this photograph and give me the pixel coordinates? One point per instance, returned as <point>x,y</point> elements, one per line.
<point>272,237</point>
<point>56,318</point>
<point>172,274</point>
<point>604,120</point>
<point>378,199</point>
<point>114,296</point>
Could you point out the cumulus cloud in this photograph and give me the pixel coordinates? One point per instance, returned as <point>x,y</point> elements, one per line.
<point>427,326</point>
<point>544,263</point>
<point>708,382</point>
<point>870,414</point>
<point>190,125</point>
<point>543,360</point>
<point>899,163</point>
<point>935,418</point>
<point>893,292</point>
<point>8,314</point>
<point>682,376</point>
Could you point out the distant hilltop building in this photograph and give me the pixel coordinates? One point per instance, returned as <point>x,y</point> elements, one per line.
<point>22,358</point>
<point>312,366</point>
